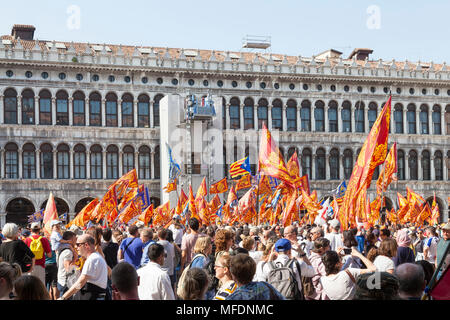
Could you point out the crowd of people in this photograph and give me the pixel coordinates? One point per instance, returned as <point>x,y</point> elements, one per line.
<point>239,262</point>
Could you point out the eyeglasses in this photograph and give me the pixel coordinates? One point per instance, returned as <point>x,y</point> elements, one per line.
<point>217,266</point>
<point>79,243</point>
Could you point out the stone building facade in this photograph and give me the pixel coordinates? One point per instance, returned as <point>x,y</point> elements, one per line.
<point>76,116</point>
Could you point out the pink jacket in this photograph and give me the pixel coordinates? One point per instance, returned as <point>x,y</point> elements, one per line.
<point>319,268</point>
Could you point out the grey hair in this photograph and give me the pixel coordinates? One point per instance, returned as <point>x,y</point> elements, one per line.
<point>10,230</point>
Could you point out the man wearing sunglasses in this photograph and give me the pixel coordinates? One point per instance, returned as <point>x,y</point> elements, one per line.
<point>94,275</point>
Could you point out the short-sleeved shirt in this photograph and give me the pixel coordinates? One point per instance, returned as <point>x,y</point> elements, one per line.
<point>188,244</point>
<point>55,239</point>
<point>96,268</point>
<point>110,251</point>
<point>15,252</point>
<point>431,244</point>
<point>340,286</point>
<point>63,275</point>
<point>133,252</point>
<point>256,291</point>
<point>383,264</point>
<point>45,245</point>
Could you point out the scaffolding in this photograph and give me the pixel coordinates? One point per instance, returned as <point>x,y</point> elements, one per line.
<point>256,42</point>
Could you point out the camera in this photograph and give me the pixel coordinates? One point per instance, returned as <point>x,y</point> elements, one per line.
<point>347,251</point>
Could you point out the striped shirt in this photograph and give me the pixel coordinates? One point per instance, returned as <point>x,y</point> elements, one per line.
<point>222,294</point>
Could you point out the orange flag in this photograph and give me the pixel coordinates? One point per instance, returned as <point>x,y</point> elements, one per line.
<point>84,215</point>
<point>220,186</point>
<point>130,178</point>
<point>129,212</point>
<point>231,196</point>
<point>171,186</point>
<point>264,186</point>
<point>106,205</point>
<point>424,215</point>
<point>202,191</point>
<point>130,195</point>
<point>244,183</point>
<point>192,205</point>
<point>50,213</point>
<point>147,215</point>
<point>373,153</point>
<point>388,170</point>
<point>271,161</point>
<point>214,204</point>
<point>414,197</point>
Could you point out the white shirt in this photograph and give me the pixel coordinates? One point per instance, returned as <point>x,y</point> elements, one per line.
<point>177,234</point>
<point>335,240</point>
<point>96,268</point>
<point>432,248</point>
<point>66,255</point>
<point>340,286</point>
<point>256,255</point>
<point>169,250</point>
<point>383,264</point>
<point>154,283</point>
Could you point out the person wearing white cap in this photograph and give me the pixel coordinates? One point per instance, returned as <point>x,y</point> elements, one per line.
<point>56,237</point>
<point>177,229</point>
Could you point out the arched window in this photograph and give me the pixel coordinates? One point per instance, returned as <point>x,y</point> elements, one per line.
<point>156,109</point>
<point>291,115</point>
<point>447,118</point>
<point>346,117</point>
<point>249,121</point>
<point>127,111</point>
<point>333,116</point>
<point>401,165</point>
<point>157,163</point>
<point>411,118</point>
<point>46,161</point>
<point>12,161</point>
<point>143,111</point>
<point>62,108</point>
<point>111,110</point>
<point>262,113</point>
<point>438,166</point>
<point>95,110</point>
<point>436,118</point>
<point>398,118</point>
<point>348,163</point>
<point>359,116</point>
<point>423,116</point>
<point>45,107</point>
<point>306,160</point>
<point>62,160</point>
<point>29,161</point>
<point>144,163</point>
<point>413,167</point>
<point>127,159</point>
<point>234,113</point>
<point>334,164</point>
<point>305,115</point>
<point>10,106</point>
<point>112,162</point>
<point>320,165</point>
<point>426,168</point>
<point>79,162</point>
<point>96,160</point>
<point>319,116</point>
<point>79,118</point>
<point>372,114</point>
<point>27,107</point>
<point>277,115</point>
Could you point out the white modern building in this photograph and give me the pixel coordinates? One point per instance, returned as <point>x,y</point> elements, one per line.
<point>76,116</point>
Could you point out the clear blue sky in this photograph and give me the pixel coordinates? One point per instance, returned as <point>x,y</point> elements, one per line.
<point>400,29</point>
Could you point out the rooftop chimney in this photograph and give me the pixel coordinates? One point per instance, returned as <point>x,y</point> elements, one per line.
<point>24,32</point>
<point>361,53</point>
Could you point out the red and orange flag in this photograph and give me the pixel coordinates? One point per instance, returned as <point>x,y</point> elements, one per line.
<point>388,170</point>
<point>192,205</point>
<point>271,161</point>
<point>373,153</point>
<point>129,212</point>
<point>220,186</point>
<point>171,186</point>
<point>106,205</point>
<point>147,215</point>
<point>84,215</point>
<point>202,191</point>
<point>244,183</point>
<point>50,213</point>
<point>231,196</point>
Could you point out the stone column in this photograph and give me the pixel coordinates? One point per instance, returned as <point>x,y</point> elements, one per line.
<point>417,122</point>
<point>352,118</point>
<point>55,165</point>
<point>2,163</point>
<point>340,126</point>
<point>325,118</point>
<point>53,111</point>
<point>430,121</point>
<point>136,161</point>
<point>255,117</point>
<point>443,124</point>
<point>71,163</point>
<point>313,118</point>
<point>269,114</point>
<point>152,125</point>
<point>405,121</point>
<point>103,113</point>
<point>227,116</point>
<point>19,110</point>
<point>2,109</point>
<point>341,167</point>
<point>2,219</point>
<point>152,163</point>
<point>135,113</point>
<point>419,167</point>
<point>36,110</point>
<point>119,113</point>
<point>432,170</point>
<point>284,118</point>
<point>38,164</point>
<point>241,117</point>
<point>299,118</point>
<point>70,110</point>
<point>407,174</point>
<point>327,165</point>
<point>104,164</point>
<point>313,166</point>
<point>20,152</point>
<point>121,163</point>
<point>366,119</point>
<point>88,164</point>
<point>86,111</point>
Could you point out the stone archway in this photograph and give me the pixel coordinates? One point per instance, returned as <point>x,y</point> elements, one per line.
<point>82,203</point>
<point>18,210</point>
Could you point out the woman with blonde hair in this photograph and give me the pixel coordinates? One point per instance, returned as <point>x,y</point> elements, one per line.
<point>268,255</point>
<point>195,284</point>
<point>202,250</point>
<point>226,284</point>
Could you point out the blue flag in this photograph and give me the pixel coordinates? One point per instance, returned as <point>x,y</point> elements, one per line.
<point>340,190</point>
<point>174,170</point>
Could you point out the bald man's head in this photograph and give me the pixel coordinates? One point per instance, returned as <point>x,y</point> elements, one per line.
<point>412,280</point>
